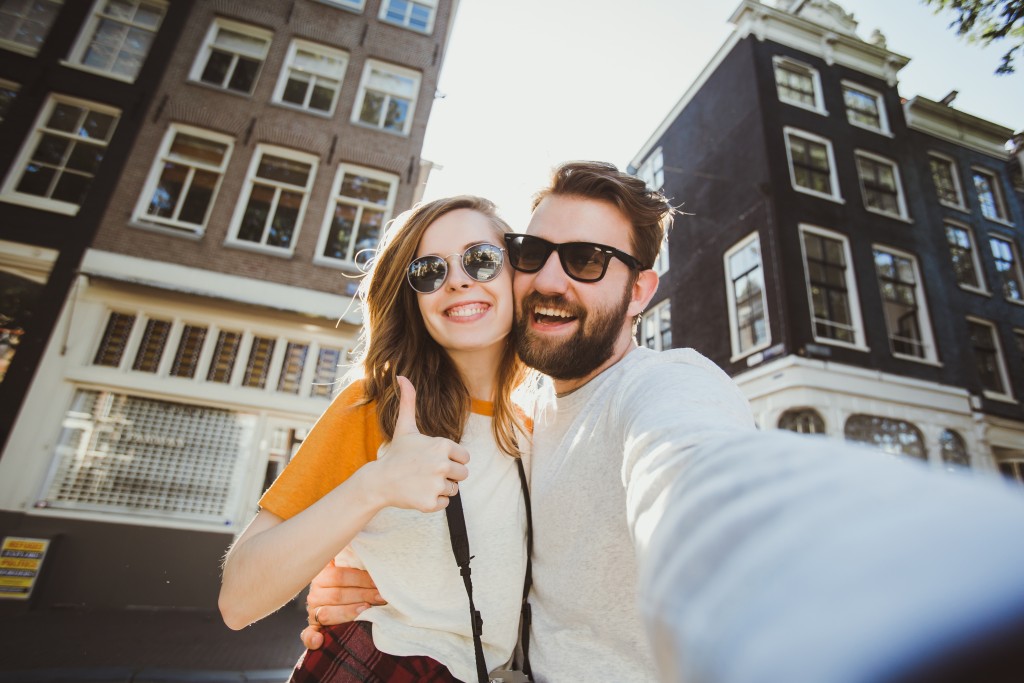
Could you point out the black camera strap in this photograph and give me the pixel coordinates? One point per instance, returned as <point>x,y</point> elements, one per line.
<point>460,546</point>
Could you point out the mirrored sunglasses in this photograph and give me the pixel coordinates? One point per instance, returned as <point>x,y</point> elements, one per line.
<point>582,261</point>
<point>482,262</point>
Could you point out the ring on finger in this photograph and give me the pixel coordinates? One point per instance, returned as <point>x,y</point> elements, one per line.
<point>316,615</point>
<point>453,488</point>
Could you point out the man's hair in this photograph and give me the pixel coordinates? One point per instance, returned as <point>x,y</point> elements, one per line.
<point>647,210</point>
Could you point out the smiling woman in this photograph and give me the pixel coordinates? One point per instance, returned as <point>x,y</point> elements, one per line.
<point>438,311</point>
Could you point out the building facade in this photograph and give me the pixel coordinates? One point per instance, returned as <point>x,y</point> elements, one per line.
<point>860,253</point>
<point>214,312</point>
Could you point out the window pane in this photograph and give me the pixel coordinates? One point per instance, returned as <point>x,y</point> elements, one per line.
<point>186,359</point>
<point>258,367</point>
<point>897,437</point>
<point>115,338</point>
<point>224,354</point>
<point>291,371</point>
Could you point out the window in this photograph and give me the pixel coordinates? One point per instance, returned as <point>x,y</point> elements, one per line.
<point>953,450</point>
<point>906,316</point>
<point>190,346</point>
<point>363,201</point>
<point>272,207</point>
<point>183,183</point>
<point>988,358</point>
<point>896,437</point>
<point>8,91</point>
<point>291,371</point>
<point>811,165</point>
<point>258,367</point>
<point>880,185</point>
<point>833,302</point>
<point>964,254</point>
<point>656,327</point>
<point>117,37</point>
<point>1012,470</point>
<point>990,195</point>
<point>231,56</point>
<point>354,5</point>
<point>325,375</point>
<point>115,339</point>
<point>151,348</point>
<point>661,261</point>
<point>947,181</point>
<point>24,272</point>
<point>865,108</point>
<point>387,97</point>
<point>802,421</point>
<point>225,352</point>
<point>311,77</point>
<point>1007,260</point>
<point>24,24</point>
<point>798,84</point>
<point>652,171</point>
<point>57,164</point>
<point>419,15</point>
<point>747,305</point>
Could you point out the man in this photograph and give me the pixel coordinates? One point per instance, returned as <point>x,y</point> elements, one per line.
<point>755,557</point>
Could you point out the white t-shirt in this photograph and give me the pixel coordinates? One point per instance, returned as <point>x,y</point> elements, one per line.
<point>409,555</point>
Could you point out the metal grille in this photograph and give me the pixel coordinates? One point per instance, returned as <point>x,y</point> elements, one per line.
<point>147,358</point>
<point>120,453</point>
<point>187,357</point>
<point>258,367</point>
<point>224,357</point>
<point>291,371</point>
<point>115,338</point>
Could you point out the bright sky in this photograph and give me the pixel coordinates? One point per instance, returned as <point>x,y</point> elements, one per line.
<point>532,83</point>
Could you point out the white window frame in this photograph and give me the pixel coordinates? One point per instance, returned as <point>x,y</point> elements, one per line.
<point>325,229</point>
<point>960,204</point>
<point>780,61</point>
<point>982,287</point>
<point>9,192</point>
<point>734,336</point>
<point>88,34</point>
<point>924,322</point>
<point>901,200</point>
<point>287,68</point>
<point>998,199</point>
<point>654,316</point>
<point>406,22</point>
<point>351,5</point>
<point>368,69</point>
<point>883,118</point>
<point>206,50</point>
<point>1000,360</point>
<point>174,226</point>
<point>1018,268</point>
<point>856,319</point>
<point>232,238</point>
<point>27,49</point>
<point>652,171</point>
<point>787,133</point>
<point>661,261</point>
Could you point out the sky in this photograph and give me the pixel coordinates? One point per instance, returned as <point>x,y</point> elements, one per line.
<point>529,84</point>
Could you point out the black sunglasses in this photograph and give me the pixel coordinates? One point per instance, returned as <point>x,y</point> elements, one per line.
<point>482,262</point>
<point>582,261</point>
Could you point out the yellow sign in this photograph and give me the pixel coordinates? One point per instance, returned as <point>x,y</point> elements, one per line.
<point>20,562</point>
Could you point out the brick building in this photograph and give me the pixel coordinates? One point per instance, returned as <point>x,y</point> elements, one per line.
<point>212,314</point>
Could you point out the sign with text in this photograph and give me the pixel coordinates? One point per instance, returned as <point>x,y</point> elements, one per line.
<point>21,559</point>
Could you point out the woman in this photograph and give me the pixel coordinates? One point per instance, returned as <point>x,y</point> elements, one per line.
<point>438,311</point>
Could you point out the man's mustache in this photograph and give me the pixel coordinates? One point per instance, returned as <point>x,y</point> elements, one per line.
<point>536,299</point>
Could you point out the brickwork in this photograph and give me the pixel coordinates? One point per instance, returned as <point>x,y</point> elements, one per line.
<point>252,120</point>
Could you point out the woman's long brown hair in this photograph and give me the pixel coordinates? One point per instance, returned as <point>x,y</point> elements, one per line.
<point>396,342</point>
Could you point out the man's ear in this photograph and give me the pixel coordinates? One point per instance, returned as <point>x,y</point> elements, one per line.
<point>643,289</point>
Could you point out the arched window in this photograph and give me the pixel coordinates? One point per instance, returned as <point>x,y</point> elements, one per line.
<point>892,436</point>
<point>953,449</point>
<point>802,421</point>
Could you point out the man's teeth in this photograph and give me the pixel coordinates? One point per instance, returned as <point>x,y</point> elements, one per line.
<point>466,311</point>
<point>552,312</point>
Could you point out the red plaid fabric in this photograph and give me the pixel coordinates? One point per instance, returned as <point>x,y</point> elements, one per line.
<point>348,655</point>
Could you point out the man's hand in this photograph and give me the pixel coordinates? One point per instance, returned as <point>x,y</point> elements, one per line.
<point>336,596</point>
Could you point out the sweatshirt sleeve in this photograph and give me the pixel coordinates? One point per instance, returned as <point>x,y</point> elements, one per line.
<point>345,438</point>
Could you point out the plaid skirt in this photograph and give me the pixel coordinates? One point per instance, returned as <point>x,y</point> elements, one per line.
<point>348,655</point>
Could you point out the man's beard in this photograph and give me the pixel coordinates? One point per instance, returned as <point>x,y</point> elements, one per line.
<point>578,355</point>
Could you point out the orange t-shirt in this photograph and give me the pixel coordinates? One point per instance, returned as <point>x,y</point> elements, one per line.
<point>346,437</point>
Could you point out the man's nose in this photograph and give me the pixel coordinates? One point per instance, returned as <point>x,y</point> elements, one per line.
<point>551,278</point>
